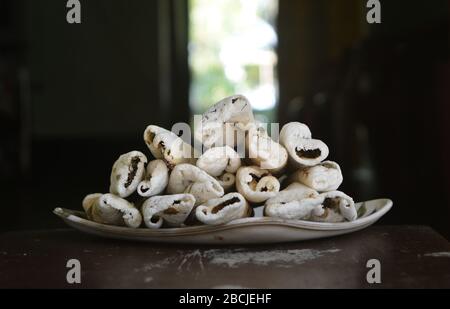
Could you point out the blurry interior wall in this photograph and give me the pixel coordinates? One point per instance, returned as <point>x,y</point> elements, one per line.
<point>91,89</point>
<point>378,94</point>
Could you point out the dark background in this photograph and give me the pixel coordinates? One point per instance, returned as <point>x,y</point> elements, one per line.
<point>75,97</point>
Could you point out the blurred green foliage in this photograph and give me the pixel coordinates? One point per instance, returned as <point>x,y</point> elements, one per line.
<point>213,25</point>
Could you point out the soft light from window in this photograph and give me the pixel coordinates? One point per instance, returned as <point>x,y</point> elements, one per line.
<point>232,51</point>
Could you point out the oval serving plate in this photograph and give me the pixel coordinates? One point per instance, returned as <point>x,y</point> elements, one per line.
<point>255,230</point>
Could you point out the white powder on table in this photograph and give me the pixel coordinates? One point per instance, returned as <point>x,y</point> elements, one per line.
<point>280,258</point>
<point>438,254</point>
<point>184,260</point>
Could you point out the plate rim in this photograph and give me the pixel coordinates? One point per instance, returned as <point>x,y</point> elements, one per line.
<point>71,215</point>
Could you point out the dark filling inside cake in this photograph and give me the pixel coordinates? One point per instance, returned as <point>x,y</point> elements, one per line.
<point>225,204</point>
<point>133,170</point>
<point>171,211</point>
<point>308,154</point>
<point>331,203</point>
<point>154,219</point>
<point>257,178</point>
<point>151,137</point>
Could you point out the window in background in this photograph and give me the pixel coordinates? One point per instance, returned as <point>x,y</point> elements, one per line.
<point>232,51</point>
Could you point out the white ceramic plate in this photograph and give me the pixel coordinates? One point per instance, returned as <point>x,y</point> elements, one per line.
<point>256,230</point>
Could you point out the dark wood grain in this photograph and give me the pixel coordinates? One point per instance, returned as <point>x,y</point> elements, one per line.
<point>37,259</point>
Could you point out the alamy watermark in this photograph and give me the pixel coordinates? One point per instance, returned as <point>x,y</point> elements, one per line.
<point>73,275</point>
<point>74,14</point>
<point>374,14</point>
<point>252,140</point>
<point>374,274</point>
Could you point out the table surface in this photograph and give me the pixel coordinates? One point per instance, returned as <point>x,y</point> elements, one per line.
<point>410,257</point>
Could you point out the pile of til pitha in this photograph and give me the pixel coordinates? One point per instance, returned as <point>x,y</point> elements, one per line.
<point>179,186</point>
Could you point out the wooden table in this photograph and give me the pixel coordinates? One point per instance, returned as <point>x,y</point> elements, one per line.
<point>410,257</point>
